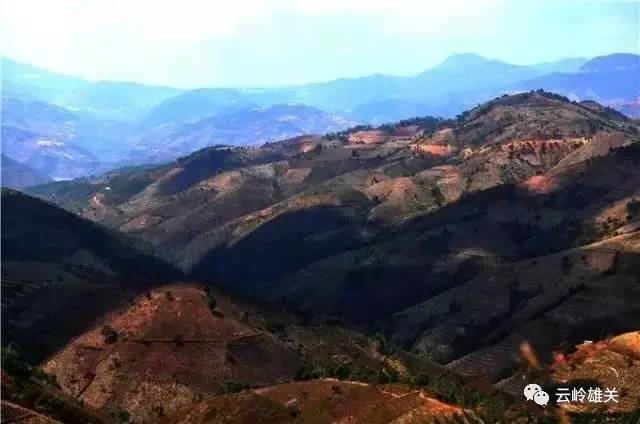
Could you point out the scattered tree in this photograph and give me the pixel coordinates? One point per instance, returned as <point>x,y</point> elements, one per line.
<point>436,193</point>
<point>109,334</point>
<point>178,340</point>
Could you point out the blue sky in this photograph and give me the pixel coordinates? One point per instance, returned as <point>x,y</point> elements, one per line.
<point>192,43</point>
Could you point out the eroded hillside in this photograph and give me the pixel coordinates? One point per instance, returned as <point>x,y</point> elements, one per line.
<point>218,195</point>
<point>457,239</point>
<point>180,345</point>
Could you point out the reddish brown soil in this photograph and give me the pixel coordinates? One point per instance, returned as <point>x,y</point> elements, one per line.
<point>324,401</point>
<point>169,348</point>
<point>613,363</point>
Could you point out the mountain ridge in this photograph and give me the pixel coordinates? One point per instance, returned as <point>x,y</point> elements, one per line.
<point>126,123</point>
<point>452,243</point>
<point>341,193</point>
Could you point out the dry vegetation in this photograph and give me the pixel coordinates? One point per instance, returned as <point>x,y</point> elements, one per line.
<point>451,240</point>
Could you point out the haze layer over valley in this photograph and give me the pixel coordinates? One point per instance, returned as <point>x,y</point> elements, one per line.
<point>64,127</point>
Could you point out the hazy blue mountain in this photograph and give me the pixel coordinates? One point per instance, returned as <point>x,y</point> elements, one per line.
<point>435,91</point>
<point>612,62</point>
<point>570,64</point>
<point>374,98</point>
<point>467,63</point>
<point>40,134</point>
<point>123,100</point>
<point>104,98</point>
<point>67,144</point>
<point>613,80</point>
<point>389,110</point>
<point>267,96</point>
<point>248,126</point>
<point>604,87</point>
<point>465,80</point>
<point>455,75</point>
<point>71,126</point>
<point>20,79</point>
<point>466,72</point>
<point>63,144</point>
<point>18,175</point>
<point>342,95</point>
<point>35,114</point>
<point>195,104</point>
<point>338,96</point>
<point>460,81</point>
<point>55,156</point>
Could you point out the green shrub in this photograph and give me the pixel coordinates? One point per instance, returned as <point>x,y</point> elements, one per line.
<point>109,334</point>
<point>14,365</point>
<point>122,417</point>
<point>421,379</point>
<point>233,386</point>
<point>437,195</point>
<point>383,347</point>
<point>386,376</point>
<point>452,388</point>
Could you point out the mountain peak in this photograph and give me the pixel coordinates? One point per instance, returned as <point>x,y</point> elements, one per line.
<point>462,60</point>
<point>616,61</point>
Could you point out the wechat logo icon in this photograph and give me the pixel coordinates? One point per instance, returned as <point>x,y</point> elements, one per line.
<point>535,393</point>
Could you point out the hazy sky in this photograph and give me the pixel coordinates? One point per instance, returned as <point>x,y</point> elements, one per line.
<point>190,43</point>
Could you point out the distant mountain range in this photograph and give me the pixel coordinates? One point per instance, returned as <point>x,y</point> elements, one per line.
<point>18,175</point>
<point>59,143</point>
<point>64,126</point>
<point>236,126</point>
<point>611,80</point>
<point>122,100</point>
<point>458,83</point>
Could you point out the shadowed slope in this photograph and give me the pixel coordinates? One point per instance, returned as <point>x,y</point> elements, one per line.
<point>54,262</point>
